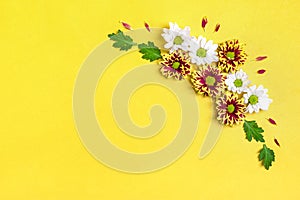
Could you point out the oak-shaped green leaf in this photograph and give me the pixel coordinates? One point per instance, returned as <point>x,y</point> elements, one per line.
<point>267,156</point>
<point>253,131</point>
<point>123,42</point>
<point>150,51</point>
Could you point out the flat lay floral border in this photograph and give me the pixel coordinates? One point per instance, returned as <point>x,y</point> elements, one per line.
<point>214,70</point>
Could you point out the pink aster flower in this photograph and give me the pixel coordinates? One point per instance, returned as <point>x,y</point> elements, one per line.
<point>208,81</point>
<point>230,109</point>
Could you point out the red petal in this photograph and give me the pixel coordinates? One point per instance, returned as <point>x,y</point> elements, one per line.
<point>272,121</point>
<point>276,142</point>
<point>147,26</point>
<point>204,22</point>
<point>127,26</point>
<point>261,71</point>
<point>217,27</point>
<point>259,58</point>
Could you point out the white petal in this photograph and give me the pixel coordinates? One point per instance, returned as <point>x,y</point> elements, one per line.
<point>202,42</point>
<point>186,30</point>
<point>208,45</point>
<point>168,45</point>
<point>250,109</point>
<point>246,97</point>
<point>214,47</point>
<point>255,107</point>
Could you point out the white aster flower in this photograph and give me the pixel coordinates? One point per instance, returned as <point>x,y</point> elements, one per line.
<point>202,51</point>
<point>237,82</point>
<point>257,98</point>
<point>176,37</point>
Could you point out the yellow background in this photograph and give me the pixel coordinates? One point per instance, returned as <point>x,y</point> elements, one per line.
<point>43,44</point>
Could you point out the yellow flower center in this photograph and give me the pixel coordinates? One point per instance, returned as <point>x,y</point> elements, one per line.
<point>238,83</point>
<point>178,40</point>
<point>201,53</point>
<point>176,65</point>
<point>210,80</point>
<point>230,108</point>
<point>230,55</point>
<point>253,99</point>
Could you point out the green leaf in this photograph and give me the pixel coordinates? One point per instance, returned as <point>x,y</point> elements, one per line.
<point>267,156</point>
<point>123,42</point>
<point>252,130</point>
<point>150,51</point>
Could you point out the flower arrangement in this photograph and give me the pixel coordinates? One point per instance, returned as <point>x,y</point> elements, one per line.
<point>214,70</point>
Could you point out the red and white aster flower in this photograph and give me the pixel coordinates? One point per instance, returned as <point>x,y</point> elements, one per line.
<point>175,65</point>
<point>231,55</point>
<point>230,109</point>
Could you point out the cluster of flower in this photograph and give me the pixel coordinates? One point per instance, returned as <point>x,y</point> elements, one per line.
<point>213,70</point>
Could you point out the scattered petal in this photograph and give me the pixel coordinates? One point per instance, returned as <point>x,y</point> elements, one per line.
<point>204,22</point>
<point>276,142</point>
<point>217,27</point>
<point>147,26</point>
<point>127,26</point>
<point>272,121</point>
<point>260,58</point>
<point>261,71</point>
